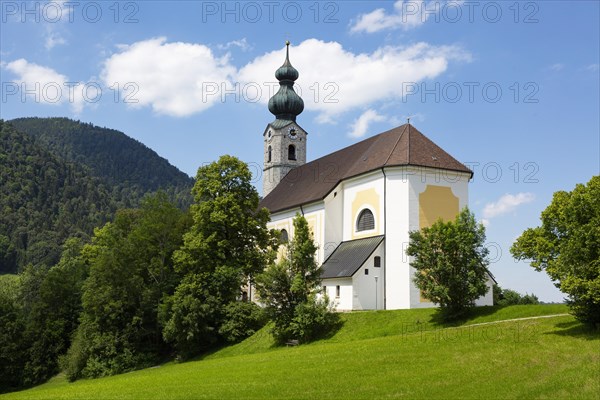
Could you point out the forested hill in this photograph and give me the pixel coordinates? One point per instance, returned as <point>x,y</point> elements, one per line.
<point>129,167</point>
<point>61,178</point>
<point>43,201</point>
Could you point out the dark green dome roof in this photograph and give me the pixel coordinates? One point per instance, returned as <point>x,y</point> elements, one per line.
<point>286,104</point>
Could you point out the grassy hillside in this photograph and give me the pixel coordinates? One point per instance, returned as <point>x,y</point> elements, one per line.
<point>381,354</point>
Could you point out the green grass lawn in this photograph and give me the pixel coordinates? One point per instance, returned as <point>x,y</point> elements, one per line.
<point>376,355</point>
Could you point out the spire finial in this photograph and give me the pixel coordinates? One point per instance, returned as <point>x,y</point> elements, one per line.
<point>408,120</point>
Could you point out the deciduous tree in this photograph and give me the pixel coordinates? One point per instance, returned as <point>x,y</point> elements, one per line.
<point>567,247</point>
<point>451,262</point>
<point>290,290</point>
<point>226,245</point>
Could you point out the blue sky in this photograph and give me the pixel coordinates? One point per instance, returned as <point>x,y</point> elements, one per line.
<point>509,88</point>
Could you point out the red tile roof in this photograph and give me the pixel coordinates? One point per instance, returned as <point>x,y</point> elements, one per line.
<point>400,146</point>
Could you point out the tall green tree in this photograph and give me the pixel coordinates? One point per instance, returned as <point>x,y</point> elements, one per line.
<point>226,245</point>
<point>12,324</point>
<point>131,273</point>
<point>451,263</point>
<point>290,290</point>
<point>54,310</point>
<point>567,247</point>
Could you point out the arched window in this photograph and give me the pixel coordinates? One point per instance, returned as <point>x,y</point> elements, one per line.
<point>284,236</point>
<point>292,152</point>
<point>269,156</point>
<point>365,221</point>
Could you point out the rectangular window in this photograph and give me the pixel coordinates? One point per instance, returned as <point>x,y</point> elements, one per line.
<point>377,262</point>
<point>366,271</point>
<point>337,291</point>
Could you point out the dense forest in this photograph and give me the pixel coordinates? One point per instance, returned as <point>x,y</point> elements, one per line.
<point>128,167</point>
<point>61,178</point>
<point>44,200</point>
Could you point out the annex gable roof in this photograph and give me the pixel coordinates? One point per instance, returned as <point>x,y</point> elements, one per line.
<point>349,256</point>
<point>401,146</point>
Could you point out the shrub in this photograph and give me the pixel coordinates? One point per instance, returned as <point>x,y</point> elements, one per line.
<point>242,319</point>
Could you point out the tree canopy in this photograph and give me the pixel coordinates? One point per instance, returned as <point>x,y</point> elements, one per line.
<point>225,247</point>
<point>61,178</point>
<point>44,201</point>
<point>567,247</point>
<point>125,165</point>
<point>290,289</point>
<point>451,262</point>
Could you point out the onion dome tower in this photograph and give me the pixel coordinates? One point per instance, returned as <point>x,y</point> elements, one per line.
<point>284,139</point>
<point>286,105</point>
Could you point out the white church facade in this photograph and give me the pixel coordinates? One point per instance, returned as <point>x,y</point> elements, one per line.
<point>360,202</point>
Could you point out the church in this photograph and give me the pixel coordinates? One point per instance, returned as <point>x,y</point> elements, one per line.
<point>360,202</point>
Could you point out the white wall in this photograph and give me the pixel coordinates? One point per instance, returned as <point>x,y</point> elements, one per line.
<point>396,266</point>
<point>344,302</point>
<point>366,295</point>
<point>488,299</point>
<point>334,220</point>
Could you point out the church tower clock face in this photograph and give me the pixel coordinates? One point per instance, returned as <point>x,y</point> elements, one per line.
<point>293,133</point>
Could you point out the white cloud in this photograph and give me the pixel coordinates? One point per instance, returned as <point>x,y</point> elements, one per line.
<point>180,79</point>
<point>242,44</point>
<point>485,222</point>
<point>361,124</point>
<point>406,15</point>
<point>49,86</point>
<point>506,204</point>
<point>177,79</point>
<point>55,12</point>
<point>334,80</point>
<point>593,67</point>
<point>53,39</point>
<point>556,67</point>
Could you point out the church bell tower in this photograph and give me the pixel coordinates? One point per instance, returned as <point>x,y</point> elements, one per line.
<point>284,139</point>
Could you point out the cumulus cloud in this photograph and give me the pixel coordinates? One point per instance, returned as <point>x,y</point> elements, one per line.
<point>334,80</point>
<point>360,125</point>
<point>180,79</point>
<point>177,79</point>
<point>406,15</point>
<point>506,204</point>
<point>49,86</point>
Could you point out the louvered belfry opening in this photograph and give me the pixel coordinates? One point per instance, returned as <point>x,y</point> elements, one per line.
<point>365,221</point>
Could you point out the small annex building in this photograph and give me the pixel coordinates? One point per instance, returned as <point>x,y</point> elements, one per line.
<point>360,202</point>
